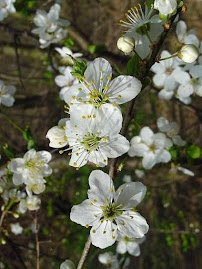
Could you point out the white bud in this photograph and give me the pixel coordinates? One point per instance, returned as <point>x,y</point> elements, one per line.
<point>126,44</point>
<point>67,265</point>
<point>188,53</point>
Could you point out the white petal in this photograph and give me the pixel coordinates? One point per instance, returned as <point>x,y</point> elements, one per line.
<point>146,134</point>
<point>44,155</point>
<point>116,146</point>
<point>67,265</point>
<point>165,94</point>
<point>98,69</point>
<point>159,79</point>
<point>83,213</point>
<point>121,247</point>
<point>163,124</point>
<point>123,89</point>
<point>148,160</point>
<point>101,187</point>
<point>177,140</point>
<point>130,194</point>
<point>133,249</point>
<point>16,165</point>
<point>185,90</point>
<point>139,149</point>
<point>181,30</point>
<point>132,224</point>
<point>102,235</point>
<point>164,157</point>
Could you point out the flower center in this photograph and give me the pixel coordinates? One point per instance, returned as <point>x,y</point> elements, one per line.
<point>111,211</point>
<point>152,147</point>
<point>90,141</point>
<point>98,98</point>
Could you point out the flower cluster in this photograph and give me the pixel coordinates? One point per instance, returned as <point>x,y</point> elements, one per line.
<point>6,7</point>
<point>92,132</point>
<point>50,27</point>
<point>111,212</point>
<point>174,77</point>
<point>65,80</point>
<point>6,94</point>
<point>153,148</point>
<point>31,170</point>
<point>143,29</point>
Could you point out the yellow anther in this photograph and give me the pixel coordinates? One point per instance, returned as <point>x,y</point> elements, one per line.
<point>104,139</point>
<point>87,226</point>
<point>111,190</point>
<point>95,200</point>
<point>83,117</point>
<point>80,99</point>
<point>106,88</point>
<point>114,104</point>
<point>110,77</point>
<point>61,151</point>
<point>79,89</point>
<point>60,143</point>
<point>71,104</point>
<point>107,200</point>
<point>73,97</point>
<point>75,164</point>
<point>94,231</point>
<point>119,96</point>
<point>77,154</point>
<point>65,138</point>
<point>104,232</point>
<point>131,217</point>
<point>94,116</point>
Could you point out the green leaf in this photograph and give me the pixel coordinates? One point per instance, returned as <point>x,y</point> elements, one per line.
<point>133,65</point>
<point>96,48</point>
<point>79,68</point>
<point>174,153</point>
<point>193,152</point>
<point>29,138</point>
<point>69,42</point>
<point>8,151</point>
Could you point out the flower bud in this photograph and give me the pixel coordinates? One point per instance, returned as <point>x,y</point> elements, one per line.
<point>188,53</point>
<point>126,44</point>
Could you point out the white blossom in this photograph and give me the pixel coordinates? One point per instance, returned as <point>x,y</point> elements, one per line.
<point>130,245</point>
<point>109,260</point>
<point>67,55</point>
<point>165,7</point>
<point>188,53</point>
<point>184,36</point>
<point>32,166</point>
<point>95,141</point>
<point>50,26</point>
<point>16,228</point>
<point>32,203</point>
<point>110,212</point>
<point>139,173</point>
<point>65,80</point>
<point>67,265</point>
<point>6,7</point>
<point>143,28</point>
<point>98,95</point>
<point>171,129</point>
<point>152,147</point>
<point>126,44</point>
<point>57,136</point>
<point>6,94</point>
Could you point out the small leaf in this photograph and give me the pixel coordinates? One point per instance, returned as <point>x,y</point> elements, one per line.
<point>174,153</point>
<point>69,42</point>
<point>96,48</point>
<point>193,152</point>
<point>8,151</point>
<point>133,65</point>
<point>29,138</point>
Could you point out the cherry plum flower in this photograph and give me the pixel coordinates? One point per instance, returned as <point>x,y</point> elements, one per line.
<point>6,7</point>
<point>143,28</point>
<point>152,147</point>
<point>171,129</point>
<point>67,55</point>
<point>95,141</point>
<point>98,94</point>
<point>32,166</point>
<point>57,136</point>
<point>109,211</point>
<point>130,245</point>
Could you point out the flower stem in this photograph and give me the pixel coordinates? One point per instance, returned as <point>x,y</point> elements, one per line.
<point>170,57</point>
<point>12,122</point>
<point>85,253</point>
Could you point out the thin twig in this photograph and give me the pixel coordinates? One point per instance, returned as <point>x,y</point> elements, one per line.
<point>18,60</point>
<point>85,253</point>
<point>2,218</point>
<point>37,242</point>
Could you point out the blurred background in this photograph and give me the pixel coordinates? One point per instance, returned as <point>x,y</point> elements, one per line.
<point>172,204</point>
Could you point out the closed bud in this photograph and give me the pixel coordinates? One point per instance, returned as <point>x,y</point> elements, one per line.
<point>188,53</point>
<point>126,44</point>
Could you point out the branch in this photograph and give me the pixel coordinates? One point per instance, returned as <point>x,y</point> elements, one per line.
<point>130,106</point>
<point>85,253</point>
